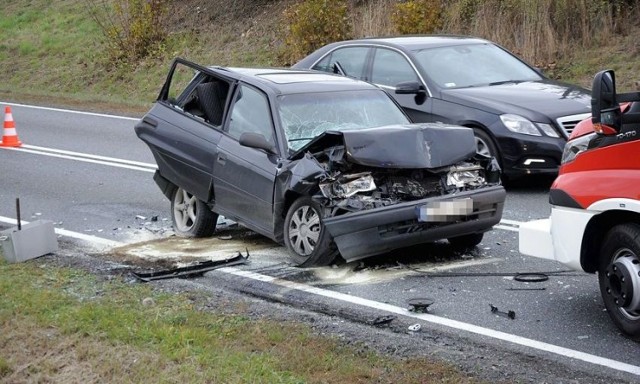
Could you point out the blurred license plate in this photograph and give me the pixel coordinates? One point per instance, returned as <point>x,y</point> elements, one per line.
<point>438,211</point>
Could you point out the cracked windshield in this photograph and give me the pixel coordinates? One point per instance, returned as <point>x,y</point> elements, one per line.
<point>306,115</point>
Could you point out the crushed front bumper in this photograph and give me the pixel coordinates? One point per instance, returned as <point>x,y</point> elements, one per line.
<point>366,233</point>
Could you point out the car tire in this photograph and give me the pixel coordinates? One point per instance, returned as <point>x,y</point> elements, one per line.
<point>466,241</point>
<point>618,277</point>
<point>484,144</point>
<point>305,236</point>
<point>191,217</point>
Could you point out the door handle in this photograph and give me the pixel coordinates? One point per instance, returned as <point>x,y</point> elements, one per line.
<point>222,159</point>
<point>151,122</point>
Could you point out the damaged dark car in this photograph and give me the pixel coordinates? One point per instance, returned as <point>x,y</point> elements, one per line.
<point>327,165</point>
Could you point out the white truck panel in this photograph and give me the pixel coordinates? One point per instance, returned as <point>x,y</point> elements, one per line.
<point>556,238</point>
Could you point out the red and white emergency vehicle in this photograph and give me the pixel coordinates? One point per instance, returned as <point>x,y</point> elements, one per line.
<point>595,216</point>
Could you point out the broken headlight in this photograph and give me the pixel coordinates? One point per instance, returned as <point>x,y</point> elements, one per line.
<point>342,189</point>
<point>461,176</point>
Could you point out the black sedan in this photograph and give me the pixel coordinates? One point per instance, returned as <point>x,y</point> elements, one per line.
<point>517,114</point>
<point>325,164</point>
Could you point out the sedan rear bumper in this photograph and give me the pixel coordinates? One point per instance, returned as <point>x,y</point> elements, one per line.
<point>366,233</point>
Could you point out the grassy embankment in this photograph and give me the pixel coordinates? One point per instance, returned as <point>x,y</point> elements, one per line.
<point>65,325</point>
<point>52,52</point>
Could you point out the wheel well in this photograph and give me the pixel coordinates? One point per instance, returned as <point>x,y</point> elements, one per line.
<point>289,198</point>
<point>488,133</point>
<point>595,232</point>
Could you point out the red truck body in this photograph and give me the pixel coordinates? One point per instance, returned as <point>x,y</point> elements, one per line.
<point>595,216</point>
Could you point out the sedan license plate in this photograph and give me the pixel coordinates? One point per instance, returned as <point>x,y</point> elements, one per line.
<point>442,211</point>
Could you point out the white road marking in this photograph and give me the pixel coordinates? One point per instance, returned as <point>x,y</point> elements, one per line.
<point>505,227</point>
<point>458,325</point>
<point>70,111</point>
<point>75,235</point>
<point>510,222</point>
<point>144,167</point>
<point>89,156</point>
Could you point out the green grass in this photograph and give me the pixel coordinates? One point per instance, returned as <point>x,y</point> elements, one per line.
<point>169,338</point>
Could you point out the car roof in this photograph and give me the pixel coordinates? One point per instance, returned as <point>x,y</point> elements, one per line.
<point>288,81</point>
<point>417,42</point>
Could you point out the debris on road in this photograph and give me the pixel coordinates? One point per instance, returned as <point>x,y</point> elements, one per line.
<point>414,328</point>
<point>383,320</point>
<point>192,270</point>
<point>509,314</point>
<point>420,304</point>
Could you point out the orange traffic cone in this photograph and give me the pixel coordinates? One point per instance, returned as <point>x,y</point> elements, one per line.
<point>9,137</point>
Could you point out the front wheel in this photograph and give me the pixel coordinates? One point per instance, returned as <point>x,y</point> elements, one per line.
<point>191,217</point>
<point>466,241</point>
<point>307,240</point>
<point>484,143</point>
<point>619,277</point>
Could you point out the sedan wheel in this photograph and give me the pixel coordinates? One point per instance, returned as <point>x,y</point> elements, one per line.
<point>484,144</point>
<point>619,277</point>
<point>191,217</point>
<point>308,242</point>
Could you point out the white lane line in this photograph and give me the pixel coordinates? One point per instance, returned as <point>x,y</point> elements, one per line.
<point>458,325</point>
<point>86,160</point>
<point>75,235</point>
<point>506,228</point>
<point>510,222</point>
<point>70,111</point>
<point>89,156</point>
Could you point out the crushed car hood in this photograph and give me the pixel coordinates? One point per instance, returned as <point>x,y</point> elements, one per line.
<point>430,145</point>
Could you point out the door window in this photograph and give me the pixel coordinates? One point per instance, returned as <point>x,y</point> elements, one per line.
<point>391,68</point>
<point>197,93</point>
<point>352,60</point>
<point>251,113</point>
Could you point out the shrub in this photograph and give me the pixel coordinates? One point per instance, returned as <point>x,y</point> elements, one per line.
<point>133,29</point>
<point>417,16</point>
<point>312,24</point>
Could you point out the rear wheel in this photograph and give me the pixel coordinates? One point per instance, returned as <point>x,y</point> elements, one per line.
<point>619,277</point>
<point>307,240</point>
<point>466,241</point>
<point>191,217</point>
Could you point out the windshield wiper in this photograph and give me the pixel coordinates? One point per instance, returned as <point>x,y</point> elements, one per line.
<point>506,82</point>
<point>301,138</point>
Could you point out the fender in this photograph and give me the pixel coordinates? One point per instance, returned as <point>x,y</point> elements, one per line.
<point>618,204</point>
<point>590,187</point>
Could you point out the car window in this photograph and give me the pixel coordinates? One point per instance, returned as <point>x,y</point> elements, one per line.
<point>391,68</point>
<point>307,115</point>
<point>250,113</point>
<point>198,94</point>
<point>352,60</point>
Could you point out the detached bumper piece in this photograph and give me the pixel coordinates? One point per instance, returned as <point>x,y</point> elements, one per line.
<point>192,270</point>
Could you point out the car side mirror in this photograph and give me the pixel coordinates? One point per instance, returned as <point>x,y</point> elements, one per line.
<point>605,108</point>
<point>410,88</point>
<point>256,140</point>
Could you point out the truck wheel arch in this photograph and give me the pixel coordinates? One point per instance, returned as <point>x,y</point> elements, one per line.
<point>594,234</point>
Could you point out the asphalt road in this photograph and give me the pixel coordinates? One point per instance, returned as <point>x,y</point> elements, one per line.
<point>103,196</point>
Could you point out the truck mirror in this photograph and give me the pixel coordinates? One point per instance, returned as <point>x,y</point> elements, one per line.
<point>605,108</point>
